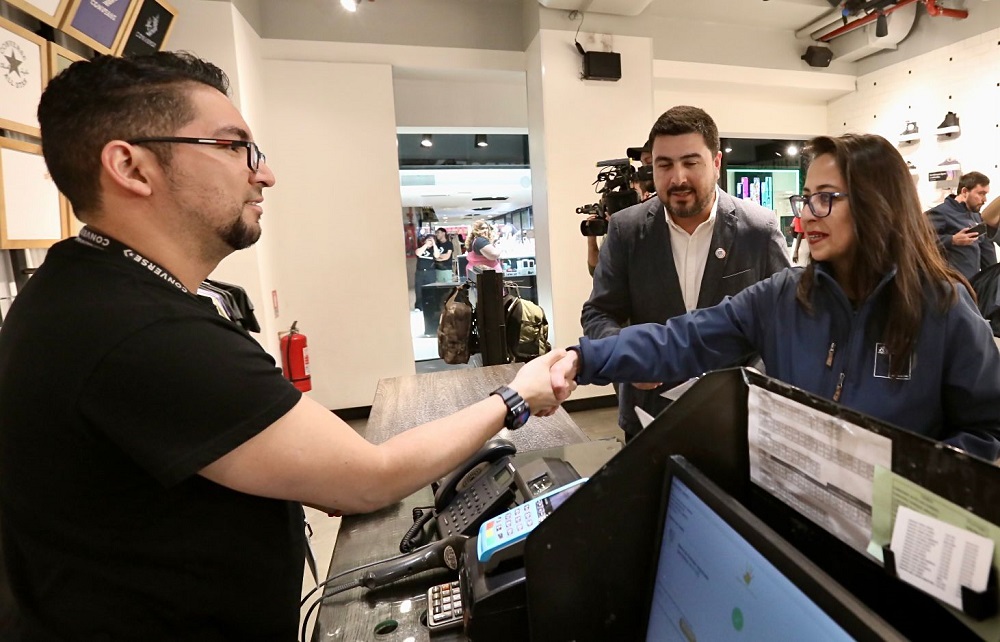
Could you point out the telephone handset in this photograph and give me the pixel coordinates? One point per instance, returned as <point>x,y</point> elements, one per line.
<point>480,488</point>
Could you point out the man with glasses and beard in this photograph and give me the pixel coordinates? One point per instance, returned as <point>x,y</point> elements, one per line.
<point>688,248</point>
<point>153,460</point>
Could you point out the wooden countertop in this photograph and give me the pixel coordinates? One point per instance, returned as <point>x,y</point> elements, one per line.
<point>401,403</point>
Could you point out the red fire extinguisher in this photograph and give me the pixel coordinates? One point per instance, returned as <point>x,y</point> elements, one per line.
<point>295,359</point>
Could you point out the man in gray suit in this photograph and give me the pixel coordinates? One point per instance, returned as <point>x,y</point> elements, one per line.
<point>688,248</point>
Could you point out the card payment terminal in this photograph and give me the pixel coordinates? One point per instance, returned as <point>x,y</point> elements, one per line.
<point>514,525</point>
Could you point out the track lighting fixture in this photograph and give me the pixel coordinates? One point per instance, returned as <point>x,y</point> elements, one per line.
<point>881,25</point>
<point>427,140</point>
<point>481,140</point>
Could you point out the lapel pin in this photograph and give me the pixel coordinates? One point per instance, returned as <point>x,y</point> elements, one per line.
<point>720,253</point>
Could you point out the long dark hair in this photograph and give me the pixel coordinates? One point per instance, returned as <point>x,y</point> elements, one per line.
<point>891,229</point>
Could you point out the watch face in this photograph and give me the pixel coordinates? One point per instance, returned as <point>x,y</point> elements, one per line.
<point>522,413</point>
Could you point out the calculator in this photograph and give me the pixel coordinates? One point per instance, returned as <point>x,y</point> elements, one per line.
<point>444,606</point>
<point>514,525</point>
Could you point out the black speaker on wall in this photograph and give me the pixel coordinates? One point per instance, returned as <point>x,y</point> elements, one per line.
<point>818,56</point>
<point>601,65</point>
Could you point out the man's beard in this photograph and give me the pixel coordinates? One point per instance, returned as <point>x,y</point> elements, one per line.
<point>697,207</point>
<point>239,235</point>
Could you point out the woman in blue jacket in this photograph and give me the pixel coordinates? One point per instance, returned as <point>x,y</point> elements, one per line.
<point>878,322</point>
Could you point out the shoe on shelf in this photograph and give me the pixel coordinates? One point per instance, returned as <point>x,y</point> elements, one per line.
<point>911,167</point>
<point>910,133</point>
<point>949,125</point>
<point>948,163</point>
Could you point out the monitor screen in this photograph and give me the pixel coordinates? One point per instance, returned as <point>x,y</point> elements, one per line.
<point>711,583</point>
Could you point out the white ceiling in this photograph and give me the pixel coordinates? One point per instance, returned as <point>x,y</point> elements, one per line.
<point>773,14</point>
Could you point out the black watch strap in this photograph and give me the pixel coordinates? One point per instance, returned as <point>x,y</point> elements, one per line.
<point>517,408</point>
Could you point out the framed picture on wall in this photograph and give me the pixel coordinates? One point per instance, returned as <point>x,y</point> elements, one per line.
<point>148,28</point>
<point>59,59</point>
<point>32,214</point>
<point>48,11</point>
<point>22,76</point>
<point>99,24</point>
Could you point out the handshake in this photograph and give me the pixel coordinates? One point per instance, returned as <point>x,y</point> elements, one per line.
<point>544,383</point>
<point>549,380</point>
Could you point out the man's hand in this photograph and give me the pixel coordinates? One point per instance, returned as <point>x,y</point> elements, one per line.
<point>964,237</point>
<point>646,386</point>
<point>532,383</point>
<point>563,375</point>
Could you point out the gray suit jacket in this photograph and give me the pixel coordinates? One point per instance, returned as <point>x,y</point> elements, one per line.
<point>636,281</point>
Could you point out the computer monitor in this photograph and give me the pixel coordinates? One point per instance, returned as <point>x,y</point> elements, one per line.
<point>722,574</point>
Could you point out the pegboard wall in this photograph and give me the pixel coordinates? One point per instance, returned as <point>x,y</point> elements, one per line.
<point>963,78</point>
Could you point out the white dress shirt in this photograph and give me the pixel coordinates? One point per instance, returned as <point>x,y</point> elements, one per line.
<point>691,253</point>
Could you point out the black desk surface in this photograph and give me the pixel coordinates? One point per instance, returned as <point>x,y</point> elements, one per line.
<point>401,403</point>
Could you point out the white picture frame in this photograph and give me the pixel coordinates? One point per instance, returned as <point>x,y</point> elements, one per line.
<point>48,11</point>
<point>23,69</point>
<point>32,211</point>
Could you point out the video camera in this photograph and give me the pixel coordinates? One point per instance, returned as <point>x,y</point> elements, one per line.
<point>614,184</point>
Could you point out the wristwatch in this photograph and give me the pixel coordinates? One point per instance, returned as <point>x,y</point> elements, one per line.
<point>517,408</point>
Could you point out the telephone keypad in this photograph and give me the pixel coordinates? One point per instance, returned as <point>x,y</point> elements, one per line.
<point>473,506</point>
<point>444,606</point>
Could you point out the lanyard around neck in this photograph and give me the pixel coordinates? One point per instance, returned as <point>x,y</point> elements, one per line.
<point>100,241</point>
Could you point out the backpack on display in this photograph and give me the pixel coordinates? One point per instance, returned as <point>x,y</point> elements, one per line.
<point>455,328</point>
<point>527,329</point>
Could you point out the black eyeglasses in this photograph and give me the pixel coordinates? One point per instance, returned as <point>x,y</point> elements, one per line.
<point>820,203</point>
<point>254,156</point>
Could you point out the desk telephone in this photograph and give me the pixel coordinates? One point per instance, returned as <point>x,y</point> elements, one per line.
<point>478,489</point>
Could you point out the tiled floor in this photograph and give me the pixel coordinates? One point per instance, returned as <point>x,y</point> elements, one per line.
<point>598,424</point>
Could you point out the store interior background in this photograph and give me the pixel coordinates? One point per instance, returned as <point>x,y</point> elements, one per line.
<point>327,94</point>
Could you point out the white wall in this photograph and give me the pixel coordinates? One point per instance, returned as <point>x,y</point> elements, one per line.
<point>963,77</point>
<point>477,100</point>
<point>572,124</point>
<point>751,102</point>
<point>336,217</point>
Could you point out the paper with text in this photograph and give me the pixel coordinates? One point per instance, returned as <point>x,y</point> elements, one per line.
<point>818,464</point>
<point>938,558</point>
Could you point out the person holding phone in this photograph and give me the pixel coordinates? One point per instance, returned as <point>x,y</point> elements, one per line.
<point>965,237</point>
<point>878,321</point>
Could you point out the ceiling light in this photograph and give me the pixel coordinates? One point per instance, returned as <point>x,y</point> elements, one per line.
<point>792,150</point>
<point>350,5</point>
<point>481,140</point>
<point>729,150</point>
<point>427,140</point>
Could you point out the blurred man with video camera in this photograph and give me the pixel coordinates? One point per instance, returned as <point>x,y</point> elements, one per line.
<point>688,248</point>
<point>614,199</point>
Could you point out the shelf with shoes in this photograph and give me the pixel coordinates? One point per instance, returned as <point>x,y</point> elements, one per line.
<point>950,126</point>
<point>946,171</point>
<point>910,134</point>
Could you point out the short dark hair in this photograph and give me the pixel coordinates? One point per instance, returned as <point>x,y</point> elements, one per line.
<point>972,180</point>
<point>684,119</point>
<point>440,229</point>
<point>94,102</point>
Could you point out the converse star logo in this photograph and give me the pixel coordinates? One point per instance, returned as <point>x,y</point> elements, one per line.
<point>108,3</point>
<point>11,59</point>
